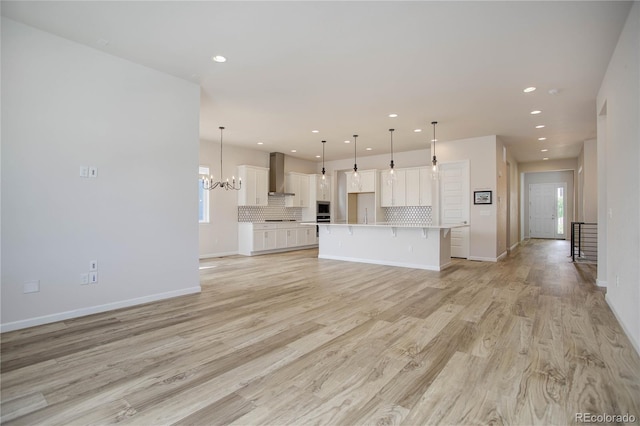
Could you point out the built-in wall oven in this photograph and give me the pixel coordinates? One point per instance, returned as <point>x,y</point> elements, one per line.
<point>323,211</point>
<point>323,214</point>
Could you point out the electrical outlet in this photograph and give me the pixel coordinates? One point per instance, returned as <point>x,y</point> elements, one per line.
<point>84,279</point>
<point>617,281</point>
<point>84,171</point>
<point>93,265</point>
<point>93,277</point>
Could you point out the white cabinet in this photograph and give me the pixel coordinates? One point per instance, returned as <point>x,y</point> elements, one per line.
<point>298,184</point>
<point>412,187</point>
<point>394,194</point>
<point>412,180</point>
<point>425,186</point>
<point>258,238</point>
<point>264,237</point>
<point>367,182</point>
<point>306,235</point>
<point>255,186</point>
<point>318,192</point>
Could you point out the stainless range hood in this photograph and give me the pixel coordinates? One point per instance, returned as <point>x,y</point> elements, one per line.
<point>276,175</point>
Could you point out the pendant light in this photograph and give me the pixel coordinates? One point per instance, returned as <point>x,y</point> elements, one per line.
<point>435,170</point>
<point>391,178</point>
<point>209,184</point>
<point>323,181</point>
<point>355,179</point>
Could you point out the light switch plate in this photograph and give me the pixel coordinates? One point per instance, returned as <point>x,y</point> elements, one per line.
<point>31,287</point>
<point>93,172</point>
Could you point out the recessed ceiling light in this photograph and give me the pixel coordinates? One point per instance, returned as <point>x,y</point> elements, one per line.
<point>318,156</point>
<point>537,111</point>
<point>529,89</point>
<point>293,150</point>
<point>417,130</point>
<point>219,58</point>
<point>540,126</point>
<point>315,131</point>
<point>544,150</point>
<point>369,149</point>
<point>393,115</point>
<point>434,140</point>
<point>260,143</point>
<point>545,158</point>
<point>347,141</point>
<point>542,139</point>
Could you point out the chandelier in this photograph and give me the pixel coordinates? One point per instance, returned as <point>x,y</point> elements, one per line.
<point>209,184</point>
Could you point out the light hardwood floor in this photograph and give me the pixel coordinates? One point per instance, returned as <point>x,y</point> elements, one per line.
<point>291,339</point>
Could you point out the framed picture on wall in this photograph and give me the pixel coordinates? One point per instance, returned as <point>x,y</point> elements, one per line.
<point>481,197</point>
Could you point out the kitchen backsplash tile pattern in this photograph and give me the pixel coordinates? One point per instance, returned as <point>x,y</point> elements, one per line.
<point>274,211</point>
<point>408,215</point>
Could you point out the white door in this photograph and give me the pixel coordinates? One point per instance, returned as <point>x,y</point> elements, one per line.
<point>454,204</point>
<point>547,202</point>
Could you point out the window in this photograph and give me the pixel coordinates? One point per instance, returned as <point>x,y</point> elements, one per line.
<point>560,210</point>
<point>203,196</point>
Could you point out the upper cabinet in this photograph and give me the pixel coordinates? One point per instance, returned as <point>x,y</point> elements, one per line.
<point>412,187</point>
<point>298,184</point>
<point>367,181</point>
<point>318,191</point>
<point>255,186</point>
<point>394,193</point>
<point>425,186</point>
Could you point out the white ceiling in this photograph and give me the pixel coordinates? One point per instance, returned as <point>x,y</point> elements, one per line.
<point>342,67</point>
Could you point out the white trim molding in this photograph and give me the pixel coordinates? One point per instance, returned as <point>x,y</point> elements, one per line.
<point>221,254</point>
<point>636,345</point>
<point>47,319</point>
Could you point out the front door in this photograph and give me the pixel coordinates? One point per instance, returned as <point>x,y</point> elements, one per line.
<point>547,203</point>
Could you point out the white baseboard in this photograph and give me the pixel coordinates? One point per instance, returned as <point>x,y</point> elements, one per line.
<point>634,343</point>
<point>504,254</point>
<point>601,283</point>
<point>386,263</point>
<point>483,259</point>
<point>222,254</point>
<point>513,247</point>
<point>46,319</point>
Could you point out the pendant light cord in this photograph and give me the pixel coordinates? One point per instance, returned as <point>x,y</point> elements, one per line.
<point>221,129</point>
<point>323,142</point>
<point>355,153</point>
<point>434,142</point>
<point>391,132</point>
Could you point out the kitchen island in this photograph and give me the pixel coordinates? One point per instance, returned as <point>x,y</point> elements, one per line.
<point>419,246</point>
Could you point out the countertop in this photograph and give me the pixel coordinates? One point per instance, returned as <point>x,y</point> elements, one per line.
<point>389,225</point>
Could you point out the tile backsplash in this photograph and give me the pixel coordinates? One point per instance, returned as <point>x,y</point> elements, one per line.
<point>275,210</point>
<point>408,215</point>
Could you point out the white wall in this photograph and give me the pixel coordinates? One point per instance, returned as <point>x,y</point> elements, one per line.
<point>482,155</point>
<point>219,237</point>
<point>65,105</point>
<point>618,106</point>
<point>590,181</point>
